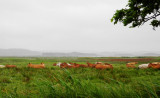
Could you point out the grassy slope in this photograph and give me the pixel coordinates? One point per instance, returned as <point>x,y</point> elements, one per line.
<point>81,82</point>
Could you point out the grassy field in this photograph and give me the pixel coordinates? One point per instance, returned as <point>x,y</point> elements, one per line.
<point>23,82</point>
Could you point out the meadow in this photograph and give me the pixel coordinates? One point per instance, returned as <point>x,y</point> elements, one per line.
<point>23,82</point>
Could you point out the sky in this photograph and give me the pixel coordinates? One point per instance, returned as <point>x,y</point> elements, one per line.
<point>71,26</point>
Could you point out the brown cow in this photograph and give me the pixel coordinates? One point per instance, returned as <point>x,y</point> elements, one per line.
<point>10,66</point>
<point>36,65</point>
<point>82,65</point>
<point>91,65</point>
<point>106,64</point>
<point>154,65</point>
<point>76,65</point>
<point>55,64</point>
<point>131,65</point>
<point>109,66</point>
<point>99,66</point>
<point>155,62</point>
<point>63,65</point>
<point>98,63</point>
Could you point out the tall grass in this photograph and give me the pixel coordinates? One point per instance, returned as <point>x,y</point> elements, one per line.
<point>82,82</point>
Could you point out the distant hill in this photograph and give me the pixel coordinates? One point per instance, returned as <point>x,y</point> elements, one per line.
<point>129,54</point>
<point>72,54</point>
<point>19,52</point>
<point>115,54</point>
<point>151,54</point>
<point>25,53</point>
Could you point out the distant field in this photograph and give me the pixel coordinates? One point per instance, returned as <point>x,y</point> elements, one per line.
<point>23,82</point>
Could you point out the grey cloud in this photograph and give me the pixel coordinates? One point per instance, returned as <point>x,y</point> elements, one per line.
<point>70,25</point>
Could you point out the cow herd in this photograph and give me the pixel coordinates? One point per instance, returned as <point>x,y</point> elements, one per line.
<point>154,65</point>
<point>100,65</point>
<point>97,65</point>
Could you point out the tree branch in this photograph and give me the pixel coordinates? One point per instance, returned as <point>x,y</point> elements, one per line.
<point>149,18</point>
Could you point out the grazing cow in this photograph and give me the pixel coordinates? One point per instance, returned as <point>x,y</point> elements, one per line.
<point>99,66</point>
<point>69,64</point>
<point>63,65</point>
<point>76,65</point>
<point>91,65</point>
<point>155,62</point>
<point>10,66</point>
<point>57,64</point>
<point>82,65</point>
<point>109,66</point>
<point>73,65</point>
<point>131,65</point>
<point>98,63</point>
<point>66,65</point>
<point>106,64</point>
<point>2,66</point>
<point>154,66</point>
<point>143,66</point>
<point>36,65</point>
<point>70,67</point>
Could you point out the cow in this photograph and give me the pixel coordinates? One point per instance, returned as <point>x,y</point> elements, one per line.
<point>10,66</point>
<point>91,65</point>
<point>100,66</point>
<point>2,66</point>
<point>154,65</point>
<point>143,66</point>
<point>57,64</point>
<point>131,65</point>
<point>36,65</point>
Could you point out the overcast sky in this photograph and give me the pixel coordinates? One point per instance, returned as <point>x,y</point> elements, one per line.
<point>71,25</point>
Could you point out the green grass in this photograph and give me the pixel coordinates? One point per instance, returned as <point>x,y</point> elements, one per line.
<point>23,82</point>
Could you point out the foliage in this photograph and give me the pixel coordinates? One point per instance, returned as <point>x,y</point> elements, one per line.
<point>137,12</point>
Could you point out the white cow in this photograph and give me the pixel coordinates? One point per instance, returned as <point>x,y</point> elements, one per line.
<point>59,64</point>
<point>69,64</point>
<point>2,66</point>
<point>143,66</point>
